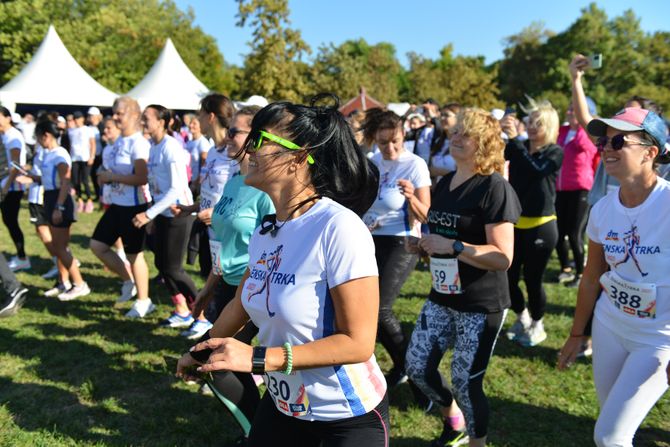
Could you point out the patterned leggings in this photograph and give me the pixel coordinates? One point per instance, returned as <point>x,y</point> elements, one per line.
<point>472,337</point>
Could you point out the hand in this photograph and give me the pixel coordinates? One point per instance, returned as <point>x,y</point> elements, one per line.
<point>568,354</point>
<point>434,244</point>
<point>205,216</point>
<point>176,210</point>
<point>509,126</point>
<point>23,180</point>
<point>577,66</point>
<point>57,217</point>
<point>229,355</point>
<point>90,161</point>
<point>406,188</point>
<point>202,299</point>
<point>412,246</point>
<point>140,220</point>
<point>431,110</point>
<point>185,363</point>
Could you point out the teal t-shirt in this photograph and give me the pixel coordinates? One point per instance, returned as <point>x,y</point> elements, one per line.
<point>234,218</point>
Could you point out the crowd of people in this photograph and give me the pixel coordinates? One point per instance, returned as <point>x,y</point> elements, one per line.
<point>308,223</point>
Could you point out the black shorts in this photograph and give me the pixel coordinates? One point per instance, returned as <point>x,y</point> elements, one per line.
<point>117,222</point>
<point>69,215</point>
<point>38,216</point>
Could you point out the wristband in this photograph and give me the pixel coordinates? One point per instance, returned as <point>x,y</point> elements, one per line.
<point>258,360</point>
<point>288,353</point>
<point>203,355</point>
<point>576,335</point>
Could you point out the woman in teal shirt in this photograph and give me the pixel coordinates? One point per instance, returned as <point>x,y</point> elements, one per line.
<point>234,218</point>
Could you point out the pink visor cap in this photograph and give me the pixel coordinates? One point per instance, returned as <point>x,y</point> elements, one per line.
<point>632,120</point>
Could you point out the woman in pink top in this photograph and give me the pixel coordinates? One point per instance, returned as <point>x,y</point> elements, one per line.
<point>574,181</point>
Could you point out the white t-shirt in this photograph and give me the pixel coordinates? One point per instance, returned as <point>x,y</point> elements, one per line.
<point>80,143</point>
<point>637,250</point>
<point>36,190</point>
<point>95,133</point>
<point>443,159</point>
<point>168,181</point>
<point>196,148</point>
<point>389,213</point>
<point>122,161</point>
<point>214,175</point>
<point>287,297</point>
<point>12,138</point>
<point>422,145</point>
<point>53,158</point>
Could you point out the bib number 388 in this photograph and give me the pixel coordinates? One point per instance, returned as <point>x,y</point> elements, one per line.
<point>288,393</point>
<point>632,298</point>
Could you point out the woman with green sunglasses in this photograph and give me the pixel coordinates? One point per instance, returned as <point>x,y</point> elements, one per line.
<point>310,286</point>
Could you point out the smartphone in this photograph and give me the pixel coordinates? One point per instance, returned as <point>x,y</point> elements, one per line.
<point>595,61</point>
<point>510,110</point>
<point>18,168</point>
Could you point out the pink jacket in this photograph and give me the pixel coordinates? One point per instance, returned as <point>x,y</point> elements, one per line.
<point>580,159</point>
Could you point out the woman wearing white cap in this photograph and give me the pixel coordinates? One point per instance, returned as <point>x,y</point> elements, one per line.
<point>629,257</point>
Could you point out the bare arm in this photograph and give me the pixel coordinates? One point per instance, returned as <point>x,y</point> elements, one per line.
<point>418,199</point>
<point>15,155</point>
<point>579,105</point>
<point>139,176</point>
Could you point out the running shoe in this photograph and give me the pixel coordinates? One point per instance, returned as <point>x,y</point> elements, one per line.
<point>176,320</point>
<point>75,292</point>
<point>15,264</point>
<point>88,208</point>
<point>197,329</point>
<point>395,377</point>
<point>13,302</point>
<point>141,308</point>
<point>574,283</point>
<point>533,336</point>
<point>520,326</point>
<point>451,437</point>
<point>564,277</point>
<point>57,289</point>
<point>80,206</point>
<point>128,291</point>
<point>51,274</point>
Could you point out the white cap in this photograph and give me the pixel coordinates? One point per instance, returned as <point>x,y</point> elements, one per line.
<point>253,100</point>
<point>498,114</point>
<point>16,118</point>
<point>93,111</point>
<point>61,119</point>
<point>420,117</point>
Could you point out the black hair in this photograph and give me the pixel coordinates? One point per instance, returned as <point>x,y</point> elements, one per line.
<point>163,114</point>
<point>340,171</point>
<point>5,112</point>
<point>221,106</point>
<point>47,126</point>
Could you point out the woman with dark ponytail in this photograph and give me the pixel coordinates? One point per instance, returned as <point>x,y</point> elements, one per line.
<point>310,287</point>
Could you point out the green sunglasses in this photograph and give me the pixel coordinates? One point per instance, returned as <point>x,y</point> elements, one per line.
<point>258,142</point>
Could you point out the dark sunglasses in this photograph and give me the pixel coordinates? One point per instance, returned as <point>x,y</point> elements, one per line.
<point>234,131</point>
<point>617,142</point>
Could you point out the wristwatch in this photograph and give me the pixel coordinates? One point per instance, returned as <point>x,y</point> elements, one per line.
<point>458,247</point>
<point>258,360</point>
<point>60,207</point>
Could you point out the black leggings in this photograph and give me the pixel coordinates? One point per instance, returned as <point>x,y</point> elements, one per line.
<point>81,173</point>
<point>272,428</point>
<point>170,239</point>
<point>572,211</point>
<point>10,208</point>
<point>472,336</point>
<point>238,389</point>
<point>394,265</point>
<point>532,250</point>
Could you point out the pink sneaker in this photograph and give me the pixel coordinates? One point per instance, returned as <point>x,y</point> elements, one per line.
<point>89,207</point>
<point>80,206</point>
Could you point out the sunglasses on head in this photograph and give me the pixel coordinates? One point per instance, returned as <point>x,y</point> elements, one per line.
<point>256,140</point>
<point>234,131</point>
<point>617,142</point>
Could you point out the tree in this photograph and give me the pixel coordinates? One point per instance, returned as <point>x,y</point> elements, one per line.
<point>274,67</point>
<point>115,42</point>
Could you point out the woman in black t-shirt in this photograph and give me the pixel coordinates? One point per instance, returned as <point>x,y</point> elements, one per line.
<point>470,243</point>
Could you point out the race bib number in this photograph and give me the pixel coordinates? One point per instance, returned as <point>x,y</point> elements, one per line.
<point>288,392</point>
<point>207,199</point>
<point>215,251</point>
<point>444,272</point>
<point>632,298</point>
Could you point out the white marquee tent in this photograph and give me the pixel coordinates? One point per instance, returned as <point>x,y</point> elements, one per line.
<point>53,77</point>
<point>170,83</point>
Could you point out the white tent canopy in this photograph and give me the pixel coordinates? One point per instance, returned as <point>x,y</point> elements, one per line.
<point>53,77</point>
<point>170,83</point>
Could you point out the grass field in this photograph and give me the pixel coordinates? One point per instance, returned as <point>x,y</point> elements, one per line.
<point>79,373</point>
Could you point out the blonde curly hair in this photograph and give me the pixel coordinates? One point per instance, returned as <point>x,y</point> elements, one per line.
<point>485,131</point>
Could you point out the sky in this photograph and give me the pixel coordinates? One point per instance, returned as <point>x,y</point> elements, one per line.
<point>474,27</point>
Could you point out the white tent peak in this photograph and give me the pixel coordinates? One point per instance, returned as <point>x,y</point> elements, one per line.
<point>54,77</point>
<point>170,83</point>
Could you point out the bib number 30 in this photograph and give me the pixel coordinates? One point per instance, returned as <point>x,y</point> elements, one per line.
<point>288,393</point>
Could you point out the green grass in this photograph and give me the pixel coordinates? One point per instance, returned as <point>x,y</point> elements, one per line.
<point>78,373</point>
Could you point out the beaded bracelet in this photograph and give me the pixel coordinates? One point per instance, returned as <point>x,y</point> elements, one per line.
<point>289,358</point>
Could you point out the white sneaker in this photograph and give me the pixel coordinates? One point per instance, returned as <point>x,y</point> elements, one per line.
<point>15,264</point>
<point>57,289</point>
<point>141,308</point>
<point>75,292</point>
<point>534,335</point>
<point>52,273</point>
<point>128,291</point>
<point>520,326</point>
